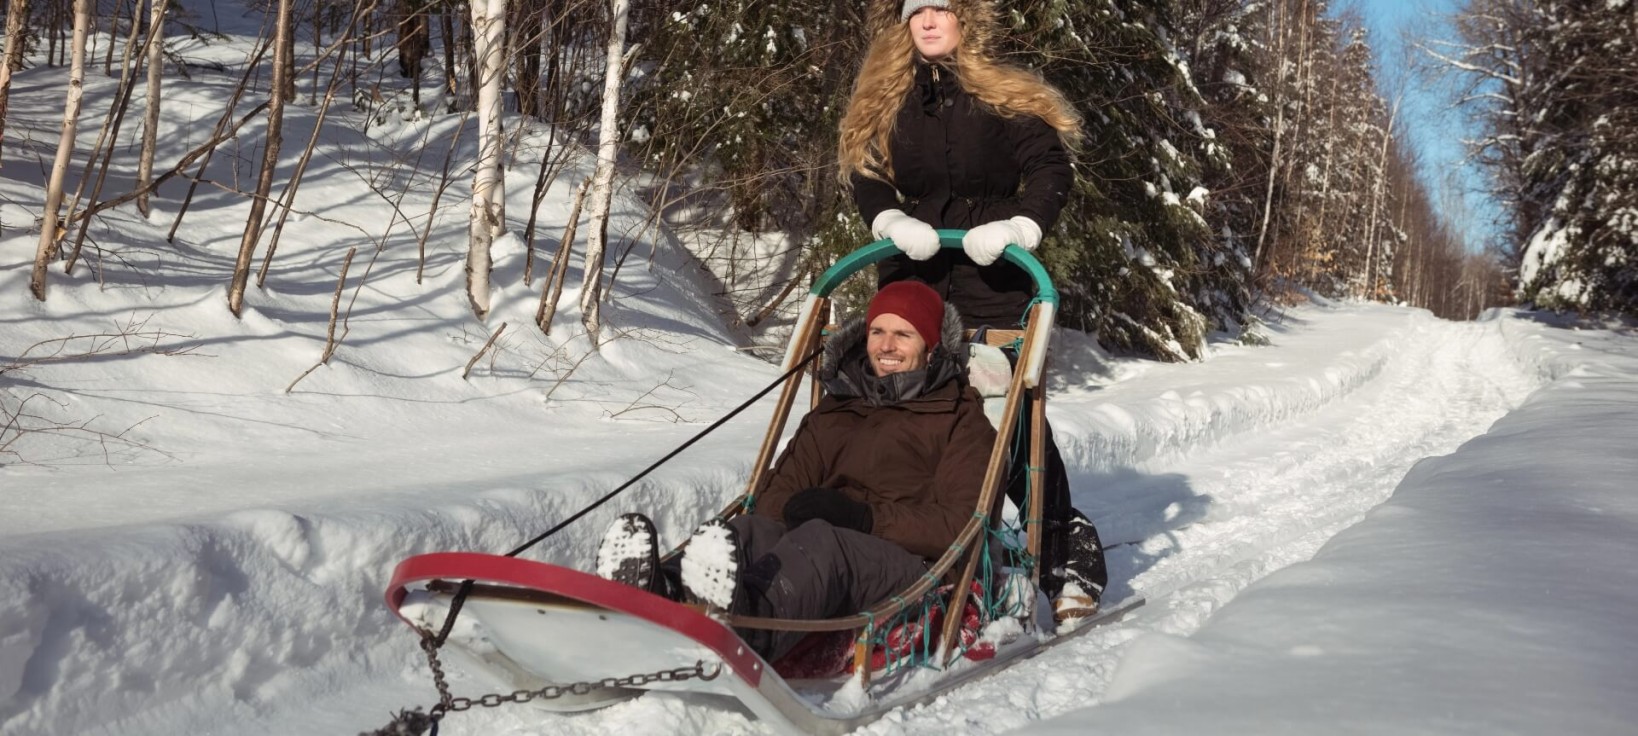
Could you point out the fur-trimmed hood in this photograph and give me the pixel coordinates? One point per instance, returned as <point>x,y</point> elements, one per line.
<point>980,22</point>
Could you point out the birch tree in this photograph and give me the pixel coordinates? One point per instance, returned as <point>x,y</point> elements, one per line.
<point>602,191</point>
<point>16,21</point>
<point>1275,163</point>
<point>282,68</point>
<point>150,120</point>
<point>488,217</point>
<point>65,151</point>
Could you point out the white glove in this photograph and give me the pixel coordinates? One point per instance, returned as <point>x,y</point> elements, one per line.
<point>916,238</point>
<point>985,242</point>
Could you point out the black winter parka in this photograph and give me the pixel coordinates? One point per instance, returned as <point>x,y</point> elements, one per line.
<point>959,164</point>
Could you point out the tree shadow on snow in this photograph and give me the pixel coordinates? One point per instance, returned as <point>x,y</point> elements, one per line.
<point>1138,517</point>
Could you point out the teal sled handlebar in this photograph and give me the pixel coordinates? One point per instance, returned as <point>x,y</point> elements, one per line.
<point>881,250</point>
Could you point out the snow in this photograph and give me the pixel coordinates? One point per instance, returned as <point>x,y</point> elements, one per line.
<point>1380,522</point>
<point>709,569</point>
<point>624,541</point>
<point>1492,592</point>
<point>1546,248</point>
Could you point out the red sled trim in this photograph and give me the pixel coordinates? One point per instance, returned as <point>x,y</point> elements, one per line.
<point>580,586</point>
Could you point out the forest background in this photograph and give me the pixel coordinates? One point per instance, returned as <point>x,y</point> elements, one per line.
<point>1237,153</point>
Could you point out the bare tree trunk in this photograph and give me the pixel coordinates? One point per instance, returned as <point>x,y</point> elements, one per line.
<point>330,343</point>
<point>217,134</point>
<point>103,154</point>
<point>1279,130</point>
<point>414,40</point>
<point>16,15</point>
<point>437,194</point>
<point>113,33</point>
<point>1315,259</point>
<point>1415,264</point>
<point>289,196</point>
<point>488,217</point>
<point>318,43</point>
<point>446,24</point>
<point>65,150</point>
<point>150,120</point>
<point>602,191</point>
<point>1371,231</point>
<point>53,25</point>
<point>529,34</point>
<point>552,289</point>
<point>270,159</point>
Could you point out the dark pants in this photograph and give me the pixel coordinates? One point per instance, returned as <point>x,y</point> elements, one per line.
<point>1061,551</point>
<point>815,571</point>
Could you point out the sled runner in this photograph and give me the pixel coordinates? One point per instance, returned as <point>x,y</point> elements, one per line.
<point>567,640</point>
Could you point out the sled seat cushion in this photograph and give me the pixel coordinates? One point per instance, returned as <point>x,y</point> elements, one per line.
<point>990,371</point>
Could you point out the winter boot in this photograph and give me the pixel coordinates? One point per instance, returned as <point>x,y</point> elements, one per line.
<point>630,553</point>
<point>1084,574</point>
<point>710,566</point>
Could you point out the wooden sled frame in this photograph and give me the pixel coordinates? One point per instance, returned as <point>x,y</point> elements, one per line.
<point>966,550</point>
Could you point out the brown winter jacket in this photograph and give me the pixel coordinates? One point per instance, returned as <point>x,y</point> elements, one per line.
<point>918,462</point>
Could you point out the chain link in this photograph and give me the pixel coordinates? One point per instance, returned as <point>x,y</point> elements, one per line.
<point>447,702</point>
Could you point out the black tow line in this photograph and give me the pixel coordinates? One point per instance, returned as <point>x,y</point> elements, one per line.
<point>416,722</point>
<point>657,463</point>
<point>466,586</point>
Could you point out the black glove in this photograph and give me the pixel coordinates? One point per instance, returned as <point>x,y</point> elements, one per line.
<point>832,506</point>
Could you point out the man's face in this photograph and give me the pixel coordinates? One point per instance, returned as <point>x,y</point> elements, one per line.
<point>894,346</point>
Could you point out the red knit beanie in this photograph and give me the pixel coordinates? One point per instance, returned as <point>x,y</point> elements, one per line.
<point>914,302</point>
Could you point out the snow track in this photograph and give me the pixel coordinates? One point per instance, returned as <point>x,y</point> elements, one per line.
<point>1207,476</point>
<point>1251,503</point>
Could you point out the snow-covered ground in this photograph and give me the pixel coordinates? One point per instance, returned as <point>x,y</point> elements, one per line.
<point>1381,522</point>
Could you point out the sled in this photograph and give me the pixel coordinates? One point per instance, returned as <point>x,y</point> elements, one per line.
<point>527,621</point>
<point>565,640</point>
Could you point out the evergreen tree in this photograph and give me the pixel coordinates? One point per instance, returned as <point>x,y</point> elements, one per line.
<point>1231,61</point>
<point>749,94</point>
<point>1134,257</point>
<point>1584,159</point>
<point>1554,90</point>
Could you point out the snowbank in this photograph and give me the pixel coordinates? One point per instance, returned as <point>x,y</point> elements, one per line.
<point>1493,593</point>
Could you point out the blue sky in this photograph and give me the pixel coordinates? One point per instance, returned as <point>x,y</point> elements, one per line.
<point>1433,130</point>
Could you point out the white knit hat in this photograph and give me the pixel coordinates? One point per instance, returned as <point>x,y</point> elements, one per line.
<point>911,6</point>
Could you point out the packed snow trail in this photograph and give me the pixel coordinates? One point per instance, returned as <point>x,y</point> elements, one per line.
<point>269,620</point>
<point>1250,505</point>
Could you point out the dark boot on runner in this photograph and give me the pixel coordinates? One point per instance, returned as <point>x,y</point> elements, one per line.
<point>1084,574</point>
<point>710,566</point>
<point>630,554</point>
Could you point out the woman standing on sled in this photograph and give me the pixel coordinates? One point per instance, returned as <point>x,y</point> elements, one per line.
<point>939,134</point>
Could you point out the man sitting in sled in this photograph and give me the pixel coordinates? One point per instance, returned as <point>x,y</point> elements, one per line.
<point>879,479</point>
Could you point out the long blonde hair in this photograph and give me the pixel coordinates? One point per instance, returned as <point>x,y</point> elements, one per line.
<point>889,69</point>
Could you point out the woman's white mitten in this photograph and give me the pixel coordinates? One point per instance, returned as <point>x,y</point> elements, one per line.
<point>916,238</point>
<point>985,242</point>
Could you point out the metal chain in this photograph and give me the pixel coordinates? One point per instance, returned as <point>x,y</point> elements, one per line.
<point>447,702</point>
